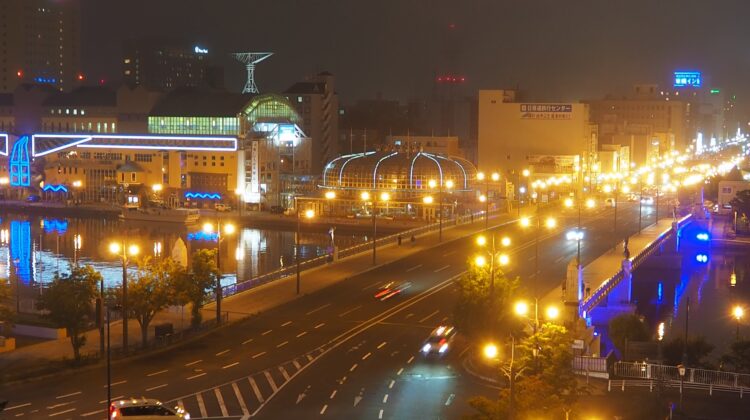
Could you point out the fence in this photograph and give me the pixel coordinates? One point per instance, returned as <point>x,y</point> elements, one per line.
<point>607,285</point>
<point>693,376</point>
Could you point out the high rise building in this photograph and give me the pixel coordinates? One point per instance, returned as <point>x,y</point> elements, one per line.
<point>317,103</point>
<point>166,64</point>
<point>40,42</point>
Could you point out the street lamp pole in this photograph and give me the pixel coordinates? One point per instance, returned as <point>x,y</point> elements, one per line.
<point>640,205</point>
<point>374,228</point>
<point>124,297</point>
<point>219,291</point>
<point>109,362</point>
<point>440,212</point>
<point>297,244</point>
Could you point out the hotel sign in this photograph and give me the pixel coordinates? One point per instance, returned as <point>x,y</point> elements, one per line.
<point>546,111</point>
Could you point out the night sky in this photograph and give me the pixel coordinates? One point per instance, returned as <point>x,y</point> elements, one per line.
<point>554,50</point>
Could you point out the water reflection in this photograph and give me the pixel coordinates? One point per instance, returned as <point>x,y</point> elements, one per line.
<point>35,248</point>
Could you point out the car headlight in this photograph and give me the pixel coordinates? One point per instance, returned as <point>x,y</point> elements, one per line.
<point>426,348</point>
<point>443,348</point>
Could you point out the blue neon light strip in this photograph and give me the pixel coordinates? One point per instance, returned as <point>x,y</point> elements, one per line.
<point>20,165</point>
<point>20,249</point>
<point>4,150</point>
<point>150,142</point>
<point>55,226</point>
<point>203,236</point>
<point>55,188</point>
<point>203,196</point>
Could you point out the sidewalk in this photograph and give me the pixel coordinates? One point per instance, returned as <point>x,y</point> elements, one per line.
<point>250,302</point>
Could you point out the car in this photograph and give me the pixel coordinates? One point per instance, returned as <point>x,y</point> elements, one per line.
<point>145,409</point>
<point>391,289</point>
<point>222,207</point>
<point>33,198</point>
<point>647,200</point>
<point>277,210</point>
<point>609,202</point>
<point>439,340</point>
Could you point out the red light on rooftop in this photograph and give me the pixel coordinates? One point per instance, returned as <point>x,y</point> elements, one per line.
<point>80,76</point>
<point>19,73</point>
<point>102,81</point>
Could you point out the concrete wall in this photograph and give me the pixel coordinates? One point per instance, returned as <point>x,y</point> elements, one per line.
<point>39,332</point>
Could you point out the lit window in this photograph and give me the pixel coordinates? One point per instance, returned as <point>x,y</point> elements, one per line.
<point>67,111</point>
<point>83,112</point>
<point>127,61</point>
<point>299,99</point>
<point>75,112</point>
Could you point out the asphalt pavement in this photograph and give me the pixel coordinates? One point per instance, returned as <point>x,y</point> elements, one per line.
<point>337,352</point>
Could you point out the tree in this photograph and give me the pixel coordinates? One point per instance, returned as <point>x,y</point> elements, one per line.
<point>697,350</point>
<point>738,358</point>
<point>6,313</point>
<point>627,328</point>
<point>477,313</point>
<point>68,303</point>
<point>741,203</point>
<point>151,290</point>
<point>192,286</point>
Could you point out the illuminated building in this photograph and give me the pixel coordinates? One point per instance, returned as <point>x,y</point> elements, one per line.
<point>165,65</point>
<point>515,135</point>
<point>41,43</point>
<point>441,145</point>
<point>317,102</point>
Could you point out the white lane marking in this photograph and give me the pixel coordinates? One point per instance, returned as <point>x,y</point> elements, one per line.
<point>159,372</point>
<point>259,354</point>
<point>18,406</point>
<point>62,412</point>
<point>390,385</point>
<point>429,316</point>
<point>238,394</point>
<point>316,309</point>
<point>112,384</point>
<point>354,366</point>
<point>380,414</point>
<point>381,345</point>
<point>409,315</point>
<point>156,387</point>
<point>333,394</point>
<point>222,352</point>
<point>91,413</point>
<point>371,286</point>
<point>230,365</point>
<point>249,340</point>
<point>201,404</point>
<point>67,395</point>
<point>450,399</point>
<point>413,268</point>
<point>411,359</point>
<point>52,407</point>
<point>193,362</point>
<point>195,376</point>
<point>296,364</point>
<point>286,323</point>
<point>220,399</point>
<point>323,410</point>
<point>267,332</point>
<point>320,325</point>
<point>282,344</point>
<point>254,386</point>
<point>284,373</point>
<point>441,269</point>
<point>310,358</point>
<point>449,253</point>
<point>400,371</point>
<point>350,311</point>
<point>301,334</point>
<point>366,356</point>
<point>269,378</point>
<point>385,399</point>
<point>119,397</point>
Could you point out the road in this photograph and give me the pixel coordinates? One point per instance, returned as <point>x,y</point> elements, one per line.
<point>338,352</point>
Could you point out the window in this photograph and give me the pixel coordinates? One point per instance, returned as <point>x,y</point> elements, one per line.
<point>132,177</point>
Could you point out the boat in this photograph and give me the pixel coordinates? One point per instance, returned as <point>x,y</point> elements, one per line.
<point>160,215</point>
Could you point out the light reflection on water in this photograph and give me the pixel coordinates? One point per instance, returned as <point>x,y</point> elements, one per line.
<point>35,248</point>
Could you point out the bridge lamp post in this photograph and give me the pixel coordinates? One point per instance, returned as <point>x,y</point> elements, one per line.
<point>495,256</point>
<point>738,312</point>
<point>122,251</point>
<point>308,214</point>
<point>491,352</point>
<point>229,229</point>
<point>549,223</point>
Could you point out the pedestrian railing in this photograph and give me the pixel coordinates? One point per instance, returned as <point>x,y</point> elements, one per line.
<point>655,384</point>
<point>692,376</point>
<point>601,292</point>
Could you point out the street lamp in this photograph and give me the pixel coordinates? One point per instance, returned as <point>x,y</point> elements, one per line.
<point>229,229</point>
<point>549,223</point>
<point>119,249</point>
<point>240,200</point>
<point>494,255</point>
<point>738,312</point>
<point>309,214</point>
<point>448,185</point>
<point>491,353</point>
<point>329,196</point>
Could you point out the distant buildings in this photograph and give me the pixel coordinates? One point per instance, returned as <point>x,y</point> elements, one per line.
<point>446,145</point>
<point>41,43</point>
<point>166,65</point>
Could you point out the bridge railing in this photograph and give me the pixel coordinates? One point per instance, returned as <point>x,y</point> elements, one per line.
<point>671,373</point>
<point>607,285</point>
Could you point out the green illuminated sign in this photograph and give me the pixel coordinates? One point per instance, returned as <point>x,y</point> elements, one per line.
<point>715,91</point>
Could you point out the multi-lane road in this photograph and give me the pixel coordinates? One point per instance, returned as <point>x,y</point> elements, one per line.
<point>336,353</point>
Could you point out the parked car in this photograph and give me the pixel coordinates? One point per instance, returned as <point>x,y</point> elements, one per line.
<point>145,409</point>
<point>33,198</point>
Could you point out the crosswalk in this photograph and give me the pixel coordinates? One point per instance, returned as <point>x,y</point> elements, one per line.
<point>240,398</point>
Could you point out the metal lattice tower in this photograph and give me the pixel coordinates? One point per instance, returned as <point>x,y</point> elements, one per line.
<point>250,59</point>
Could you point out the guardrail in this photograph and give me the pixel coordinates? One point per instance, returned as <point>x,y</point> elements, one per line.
<point>607,285</point>
<point>347,252</point>
<point>666,383</point>
<point>694,376</point>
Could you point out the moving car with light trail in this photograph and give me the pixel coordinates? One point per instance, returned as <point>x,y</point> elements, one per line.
<point>391,289</point>
<point>439,340</point>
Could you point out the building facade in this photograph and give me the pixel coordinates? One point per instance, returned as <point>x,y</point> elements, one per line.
<point>41,43</point>
<point>443,145</point>
<point>166,65</point>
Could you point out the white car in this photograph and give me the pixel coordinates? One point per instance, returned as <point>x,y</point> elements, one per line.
<point>145,409</point>
<point>647,200</point>
<point>439,341</point>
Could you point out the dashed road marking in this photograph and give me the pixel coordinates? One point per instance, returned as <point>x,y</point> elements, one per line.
<point>282,344</point>
<point>450,399</point>
<point>18,406</point>
<point>193,362</point>
<point>385,399</point>
<point>222,352</point>
<point>269,378</point>
<point>196,376</point>
<point>259,354</point>
<point>301,334</point>
<point>159,372</point>
<point>400,371</point>
<point>119,397</point>
<point>320,325</point>
<point>91,413</point>
<point>67,395</point>
<point>333,394</point>
<point>381,345</point>
<point>238,394</point>
<point>390,385</point>
<point>220,399</point>
<point>296,364</point>
<point>266,332</point>
<point>413,268</point>
<point>113,384</point>
<point>429,316</point>
<point>354,366</point>
<point>284,373</point>
<point>286,323</point>
<point>411,359</point>
<point>366,356</point>
<point>156,387</point>
<point>317,309</point>
<point>441,269</point>
<point>350,311</point>
<point>323,410</point>
<point>52,407</point>
<point>230,365</point>
<point>62,412</point>
<point>256,391</point>
<point>310,358</point>
<point>249,340</point>
<point>380,414</point>
<point>201,404</point>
